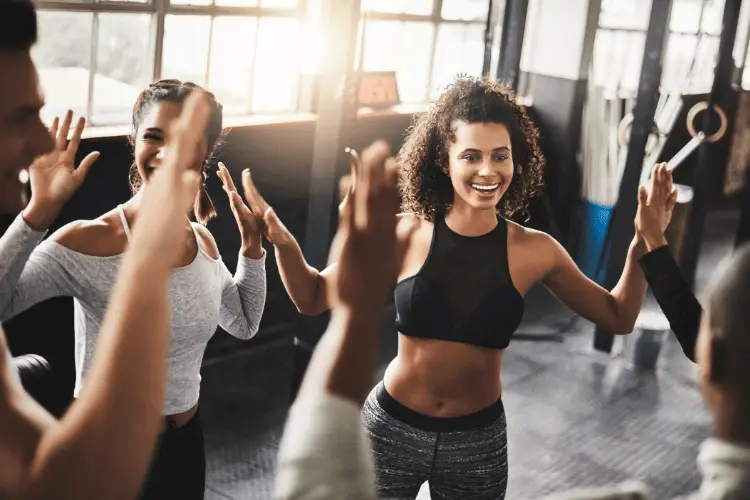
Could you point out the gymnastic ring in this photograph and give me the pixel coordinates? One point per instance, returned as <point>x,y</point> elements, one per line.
<point>622,130</point>
<point>702,106</point>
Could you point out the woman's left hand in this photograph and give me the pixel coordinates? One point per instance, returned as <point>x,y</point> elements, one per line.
<point>247,222</point>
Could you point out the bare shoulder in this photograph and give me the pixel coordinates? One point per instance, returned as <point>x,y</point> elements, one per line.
<point>206,240</point>
<point>99,237</point>
<point>410,224</point>
<point>545,251</point>
<point>532,239</point>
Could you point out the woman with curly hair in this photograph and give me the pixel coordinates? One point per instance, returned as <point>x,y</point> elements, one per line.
<point>82,260</point>
<point>468,165</point>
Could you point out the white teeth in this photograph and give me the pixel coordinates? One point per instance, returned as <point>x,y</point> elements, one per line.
<point>479,187</point>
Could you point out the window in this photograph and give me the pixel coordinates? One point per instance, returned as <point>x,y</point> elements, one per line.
<point>691,52</point>
<point>425,42</point>
<point>96,56</point>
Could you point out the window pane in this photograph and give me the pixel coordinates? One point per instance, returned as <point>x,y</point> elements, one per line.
<point>677,61</point>
<point>276,74</point>
<point>627,14</point>
<point>459,49</point>
<point>403,47</point>
<point>237,3</point>
<point>232,53</point>
<point>466,10</point>
<point>685,16</point>
<point>617,60</point>
<point>124,65</point>
<point>185,53</point>
<point>713,16</point>
<point>63,57</point>
<point>418,7</point>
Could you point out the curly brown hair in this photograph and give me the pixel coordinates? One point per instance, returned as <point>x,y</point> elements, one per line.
<point>425,188</point>
<point>171,90</point>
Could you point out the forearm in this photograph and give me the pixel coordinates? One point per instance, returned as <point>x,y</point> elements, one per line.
<point>630,291</point>
<point>303,282</point>
<point>118,416</point>
<point>346,356</point>
<point>16,245</point>
<point>244,297</point>
<point>674,296</point>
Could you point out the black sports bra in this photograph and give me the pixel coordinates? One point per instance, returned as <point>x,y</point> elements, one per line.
<point>463,292</point>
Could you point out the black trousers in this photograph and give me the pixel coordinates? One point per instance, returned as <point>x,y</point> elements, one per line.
<point>178,469</point>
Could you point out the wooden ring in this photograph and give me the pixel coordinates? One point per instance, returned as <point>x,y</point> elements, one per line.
<point>698,108</point>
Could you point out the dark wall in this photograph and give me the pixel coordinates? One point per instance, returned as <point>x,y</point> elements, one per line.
<point>279,156</point>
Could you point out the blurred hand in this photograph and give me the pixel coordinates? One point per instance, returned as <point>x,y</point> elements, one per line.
<point>349,181</point>
<point>366,238</point>
<point>247,222</point>
<point>172,188</point>
<point>655,207</point>
<point>54,177</point>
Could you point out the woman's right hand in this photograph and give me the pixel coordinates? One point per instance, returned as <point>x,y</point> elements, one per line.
<point>173,186</point>
<point>54,177</point>
<point>273,229</point>
<point>655,207</point>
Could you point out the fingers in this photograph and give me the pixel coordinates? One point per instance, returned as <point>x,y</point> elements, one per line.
<point>189,128</point>
<point>355,164</point>
<point>53,128</point>
<point>83,169</point>
<point>368,196</point>
<point>672,200</point>
<point>226,178</point>
<point>257,204</point>
<point>75,141</point>
<point>62,136</point>
<point>642,195</point>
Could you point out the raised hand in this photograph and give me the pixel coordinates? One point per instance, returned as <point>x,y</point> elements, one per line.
<point>349,181</point>
<point>54,177</point>
<point>273,229</point>
<point>247,222</point>
<point>366,238</point>
<point>173,186</point>
<point>655,207</point>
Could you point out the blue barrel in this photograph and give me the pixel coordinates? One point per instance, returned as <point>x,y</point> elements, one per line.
<point>594,222</point>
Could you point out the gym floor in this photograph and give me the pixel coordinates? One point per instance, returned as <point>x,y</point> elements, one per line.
<point>575,417</point>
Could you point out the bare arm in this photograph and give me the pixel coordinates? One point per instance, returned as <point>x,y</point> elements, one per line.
<point>617,310</point>
<point>113,420</point>
<point>306,286</point>
<point>102,447</point>
<point>324,453</point>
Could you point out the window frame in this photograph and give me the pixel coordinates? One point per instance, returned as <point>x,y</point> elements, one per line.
<point>699,33</point>
<point>435,18</point>
<point>159,9</point>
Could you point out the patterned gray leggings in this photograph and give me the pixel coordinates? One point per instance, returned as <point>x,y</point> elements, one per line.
<point>462,458</point>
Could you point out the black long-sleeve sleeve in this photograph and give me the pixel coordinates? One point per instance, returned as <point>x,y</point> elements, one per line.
<point>675,297</point>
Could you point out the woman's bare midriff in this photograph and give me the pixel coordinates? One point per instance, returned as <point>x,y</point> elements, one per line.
<point>444,379</point>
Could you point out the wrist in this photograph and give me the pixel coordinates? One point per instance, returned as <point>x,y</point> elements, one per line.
<point>252,251</point>
<point>40,215</point>
<point>653,242</point>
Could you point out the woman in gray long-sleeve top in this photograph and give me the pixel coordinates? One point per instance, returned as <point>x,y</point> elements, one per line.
<point>81,260</point>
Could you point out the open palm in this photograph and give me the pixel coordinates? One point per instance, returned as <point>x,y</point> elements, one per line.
<point>54,176</point>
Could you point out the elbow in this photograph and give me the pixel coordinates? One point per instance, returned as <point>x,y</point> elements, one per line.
<point>308,308</point>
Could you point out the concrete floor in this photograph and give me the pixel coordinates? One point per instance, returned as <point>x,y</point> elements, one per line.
<point>575,417</point>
